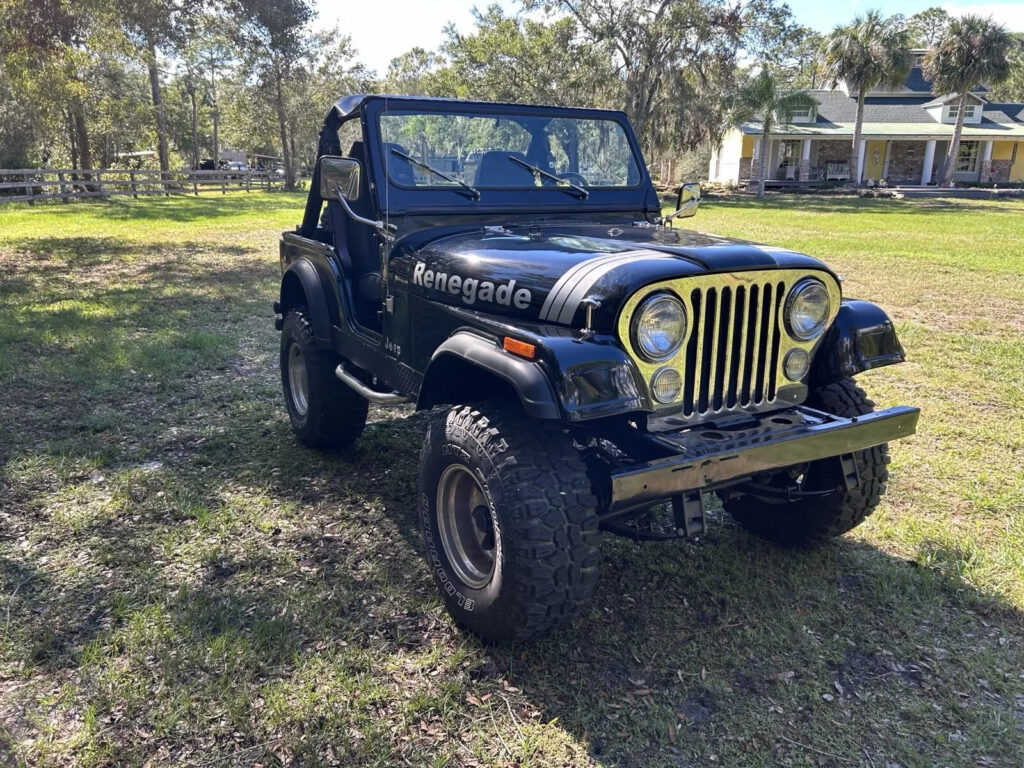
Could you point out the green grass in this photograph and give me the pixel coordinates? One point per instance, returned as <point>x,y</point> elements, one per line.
<point>182,584</point>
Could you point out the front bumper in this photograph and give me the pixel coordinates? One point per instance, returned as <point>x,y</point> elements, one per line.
<point>707,457</point>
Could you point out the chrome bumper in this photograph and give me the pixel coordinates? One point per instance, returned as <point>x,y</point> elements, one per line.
<point>709,457</point>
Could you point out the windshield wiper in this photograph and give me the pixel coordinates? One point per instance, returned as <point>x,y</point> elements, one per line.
<point>471,189</point>
<point>584,194</point>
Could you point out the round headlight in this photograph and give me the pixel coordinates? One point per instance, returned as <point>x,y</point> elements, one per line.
<point>666,385</point>
<point>659,326</point>
<point>796,364</point>
<point>807,309</point>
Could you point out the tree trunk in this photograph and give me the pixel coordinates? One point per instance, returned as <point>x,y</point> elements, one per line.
<point>855,144</point>
<point>216,136</point>
<point>72,143</point>
<point>289,172</point>
<point>215,115</point>
<point>158,106</point>
<point>195,127</point>
<point>764,165</point>
<point>81,135</point>
<point>954,146</point>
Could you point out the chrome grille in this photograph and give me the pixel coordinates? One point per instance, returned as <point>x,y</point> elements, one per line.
<point>732,357</point>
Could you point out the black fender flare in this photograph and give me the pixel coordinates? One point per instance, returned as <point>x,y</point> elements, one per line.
<point>862,337</point>
<point>527,379</point>
<point>301,285</point>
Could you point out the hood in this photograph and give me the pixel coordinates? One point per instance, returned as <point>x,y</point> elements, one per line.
<point>544,273</point>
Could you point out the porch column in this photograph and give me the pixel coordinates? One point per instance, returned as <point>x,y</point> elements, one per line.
<point>861,150</point>
<point>929,161</point>
<point>986,161</point>
<point>755,166</point>
<point>885,165</point>
<point>805,161</point>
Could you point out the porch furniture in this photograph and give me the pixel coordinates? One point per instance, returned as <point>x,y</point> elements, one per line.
<point>837,172</point>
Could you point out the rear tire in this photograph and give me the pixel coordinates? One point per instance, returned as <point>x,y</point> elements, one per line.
<point>324,412</point>
<point>814,520</point>
<point>509,522</point>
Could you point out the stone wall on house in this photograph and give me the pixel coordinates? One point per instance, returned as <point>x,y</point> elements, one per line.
<point>906,159</point>
<point>996,171</point>
<point>833,152</point>
<point>744,173</point>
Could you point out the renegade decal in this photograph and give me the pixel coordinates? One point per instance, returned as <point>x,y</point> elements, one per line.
<point>471,289</point>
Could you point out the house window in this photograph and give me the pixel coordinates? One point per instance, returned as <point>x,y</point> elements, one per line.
<point>919,60</point>
<point>790,151</point>
<point>967,157</point>
<point>801,113</point>
<point>954,109</point>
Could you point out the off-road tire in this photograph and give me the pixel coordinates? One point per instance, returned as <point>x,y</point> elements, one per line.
<point>813,521</point>
<point>335,415</point>
<point>545,530</point>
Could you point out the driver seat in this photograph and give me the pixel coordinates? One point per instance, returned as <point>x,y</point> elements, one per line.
<point>496,169</point>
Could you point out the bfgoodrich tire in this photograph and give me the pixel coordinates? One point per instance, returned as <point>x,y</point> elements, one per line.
<point>324,412</point>
<point>508,520</point>
<point>814,520</point>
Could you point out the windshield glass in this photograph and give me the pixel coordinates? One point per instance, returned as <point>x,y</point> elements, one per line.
<point>510,151</point>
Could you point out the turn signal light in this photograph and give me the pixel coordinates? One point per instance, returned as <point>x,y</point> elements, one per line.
<point>520,348</point>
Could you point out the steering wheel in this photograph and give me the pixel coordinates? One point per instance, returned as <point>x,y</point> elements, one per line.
<point>575,178</point>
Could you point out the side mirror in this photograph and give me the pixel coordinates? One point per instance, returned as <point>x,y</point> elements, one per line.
<point>686,202</point>
<point>339,172</point>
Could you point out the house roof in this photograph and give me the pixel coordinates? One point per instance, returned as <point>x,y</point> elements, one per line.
<point>945,99</point>
<point>901,115</point>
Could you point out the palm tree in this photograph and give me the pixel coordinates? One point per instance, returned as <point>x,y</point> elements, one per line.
<point>869,52</point>
<point>973,50</point>
<point>762,98</point>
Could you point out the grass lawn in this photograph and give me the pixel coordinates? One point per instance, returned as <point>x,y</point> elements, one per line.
<point>182,584</point>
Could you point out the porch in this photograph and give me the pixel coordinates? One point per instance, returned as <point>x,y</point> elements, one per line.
<point>899,161</point>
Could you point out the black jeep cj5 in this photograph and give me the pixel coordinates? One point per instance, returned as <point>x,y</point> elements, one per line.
<point>590,368</point>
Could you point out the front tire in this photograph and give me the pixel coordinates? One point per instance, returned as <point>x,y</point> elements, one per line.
<point>814,520</point>
<point>324,412</point>
<point>509,522</point>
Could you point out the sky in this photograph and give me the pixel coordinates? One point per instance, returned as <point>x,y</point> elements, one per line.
<point>384,29</point>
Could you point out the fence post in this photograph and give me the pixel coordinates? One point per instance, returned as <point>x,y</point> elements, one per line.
<point>63,187</point>
<point>195,182</point>
<point>223,184</point>
<point>248,180</point>
<point>28,188</point>
<point>135,189</point>
<point>99,184</point>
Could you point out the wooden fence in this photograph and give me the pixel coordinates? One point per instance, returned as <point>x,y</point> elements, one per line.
<point>33,184</point>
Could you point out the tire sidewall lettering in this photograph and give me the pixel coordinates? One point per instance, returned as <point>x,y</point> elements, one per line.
<point>471,454</point>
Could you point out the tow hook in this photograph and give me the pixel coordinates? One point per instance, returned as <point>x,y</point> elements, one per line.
<point>688,510</point>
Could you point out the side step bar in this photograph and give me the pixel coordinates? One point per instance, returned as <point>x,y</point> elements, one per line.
<point>380,398</point>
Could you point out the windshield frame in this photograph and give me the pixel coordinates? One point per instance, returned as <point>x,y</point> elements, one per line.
<point>400,199</point>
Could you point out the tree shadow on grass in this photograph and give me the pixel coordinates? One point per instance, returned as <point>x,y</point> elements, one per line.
<point>730,647</point>
<point>199,584</point>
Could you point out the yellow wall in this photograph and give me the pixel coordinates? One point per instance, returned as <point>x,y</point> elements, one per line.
<point>1002,150</point>
<point>874,160</point>
<point>1017,171</point>
<point>748,146</point>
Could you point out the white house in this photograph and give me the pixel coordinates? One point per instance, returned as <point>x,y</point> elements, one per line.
<point>906,135</point>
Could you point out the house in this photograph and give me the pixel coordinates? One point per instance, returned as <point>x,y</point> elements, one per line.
<point>906,135</point>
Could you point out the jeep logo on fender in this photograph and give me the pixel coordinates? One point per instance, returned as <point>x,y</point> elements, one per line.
<point>471,289</point>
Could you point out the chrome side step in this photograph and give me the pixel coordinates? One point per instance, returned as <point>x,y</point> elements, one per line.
<point>380,398</point>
